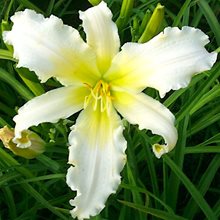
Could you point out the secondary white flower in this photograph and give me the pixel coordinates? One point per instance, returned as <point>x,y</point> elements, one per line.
<point>101,80</point>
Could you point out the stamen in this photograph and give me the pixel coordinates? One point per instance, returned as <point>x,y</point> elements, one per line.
<point>100,96</point>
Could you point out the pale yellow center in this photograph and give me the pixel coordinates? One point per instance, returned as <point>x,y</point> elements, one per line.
<point>99,97</point>
<point>24,141</point>
<point>158,148</point>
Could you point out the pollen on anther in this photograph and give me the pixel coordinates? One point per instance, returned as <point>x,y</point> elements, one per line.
<point>99,97</point>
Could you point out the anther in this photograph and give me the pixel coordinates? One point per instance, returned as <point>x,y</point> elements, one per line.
<point>100,95</point>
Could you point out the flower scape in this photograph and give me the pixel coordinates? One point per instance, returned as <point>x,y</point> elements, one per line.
<point>100,79</point>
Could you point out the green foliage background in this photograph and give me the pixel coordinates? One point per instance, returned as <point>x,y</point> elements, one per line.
<point>185,184</point>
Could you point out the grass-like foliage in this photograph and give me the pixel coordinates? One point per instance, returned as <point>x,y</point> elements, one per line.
<point>183,184</point>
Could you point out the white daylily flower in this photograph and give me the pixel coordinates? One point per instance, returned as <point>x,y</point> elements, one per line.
<point>102,80</point>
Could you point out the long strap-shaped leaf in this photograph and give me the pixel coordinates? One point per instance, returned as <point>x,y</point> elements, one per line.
<point>196,195</point>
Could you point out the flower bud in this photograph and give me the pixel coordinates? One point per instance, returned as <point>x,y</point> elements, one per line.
<point>127,6</point>
<point>94,2</point>
<point>28,146</point>
<point>153,25</point>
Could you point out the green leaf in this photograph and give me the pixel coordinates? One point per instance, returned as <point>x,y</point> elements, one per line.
<point>174,181</point>
<point>7,77</point>
<point>6,55</point>
<point>211,18</point>
<point>203,186</point>
<point>182,11</point>
<point>153,212</point>
<point>201,90</point>
<point>202,149</point>
<point>196,195</point>
<point>30,5</point>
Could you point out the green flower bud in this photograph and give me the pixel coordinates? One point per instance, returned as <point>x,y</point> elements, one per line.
<point>127,6</point>
<point>94,2</point>
<point>153,25</point>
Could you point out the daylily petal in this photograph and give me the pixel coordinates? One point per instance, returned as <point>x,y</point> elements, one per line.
<point>50,107</point>
<point>148,114</point>
<point>51,49</point>
<point>96,152</point>
<point>101,34</point>
<point>166,62</point>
